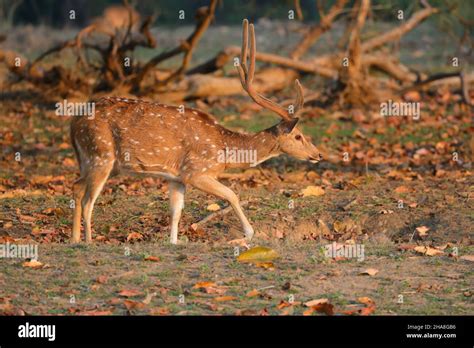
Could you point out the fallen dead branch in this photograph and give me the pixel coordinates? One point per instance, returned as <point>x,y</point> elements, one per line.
<point>353,76</point>
<point>459,78</point>
<point>355,82</point>
<point>465,88</point>
<point>225,56</point>
<point>121,26</point>
<point>396,33</point>
<point>312,36</point>
<point>124,32</point>
<point>390,66</point>
<point>204,16</point>
<point>200,86</point>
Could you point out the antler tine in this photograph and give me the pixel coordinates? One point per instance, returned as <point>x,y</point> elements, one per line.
<point>242,66</point>
<point>247,73</point>
<point>253,49</point>
<point>299,96</point>
<point>245,43</point>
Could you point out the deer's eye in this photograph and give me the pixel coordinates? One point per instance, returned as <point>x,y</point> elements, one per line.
<point>298,137</point>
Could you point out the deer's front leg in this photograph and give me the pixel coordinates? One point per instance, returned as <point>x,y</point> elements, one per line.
<point>214,187</point>
<point>177,191</point>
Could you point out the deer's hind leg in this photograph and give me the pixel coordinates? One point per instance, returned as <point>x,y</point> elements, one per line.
<point>177,191</point>
<point>79,189</point>
<point>214,187</point>
<point>94,182</point>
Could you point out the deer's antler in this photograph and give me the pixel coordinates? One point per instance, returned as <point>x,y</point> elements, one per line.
<point>247,74</point>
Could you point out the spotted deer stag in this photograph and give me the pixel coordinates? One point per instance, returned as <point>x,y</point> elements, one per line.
<point>182,145</point>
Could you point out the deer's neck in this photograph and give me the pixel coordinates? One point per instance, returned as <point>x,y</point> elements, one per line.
<point>248,150</point>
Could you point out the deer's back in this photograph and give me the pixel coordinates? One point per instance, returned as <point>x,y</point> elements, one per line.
<point>146,136</point>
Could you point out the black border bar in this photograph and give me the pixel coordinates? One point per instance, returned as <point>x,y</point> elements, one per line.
<point>224,330</point>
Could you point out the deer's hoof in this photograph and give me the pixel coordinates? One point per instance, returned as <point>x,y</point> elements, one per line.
<point>249,233</point>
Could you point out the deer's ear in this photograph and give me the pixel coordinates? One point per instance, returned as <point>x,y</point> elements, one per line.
<point>285,127</point>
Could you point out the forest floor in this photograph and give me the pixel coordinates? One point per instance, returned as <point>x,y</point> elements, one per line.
<point>378,206</point>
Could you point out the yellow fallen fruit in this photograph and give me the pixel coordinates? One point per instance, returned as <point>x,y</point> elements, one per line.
<point>258,254</point>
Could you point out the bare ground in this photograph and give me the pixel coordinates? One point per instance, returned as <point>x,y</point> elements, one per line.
<point>407,282</point>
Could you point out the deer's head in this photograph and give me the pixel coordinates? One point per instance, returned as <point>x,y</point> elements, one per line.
<point>289,138</point>
<point>294,143</point>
